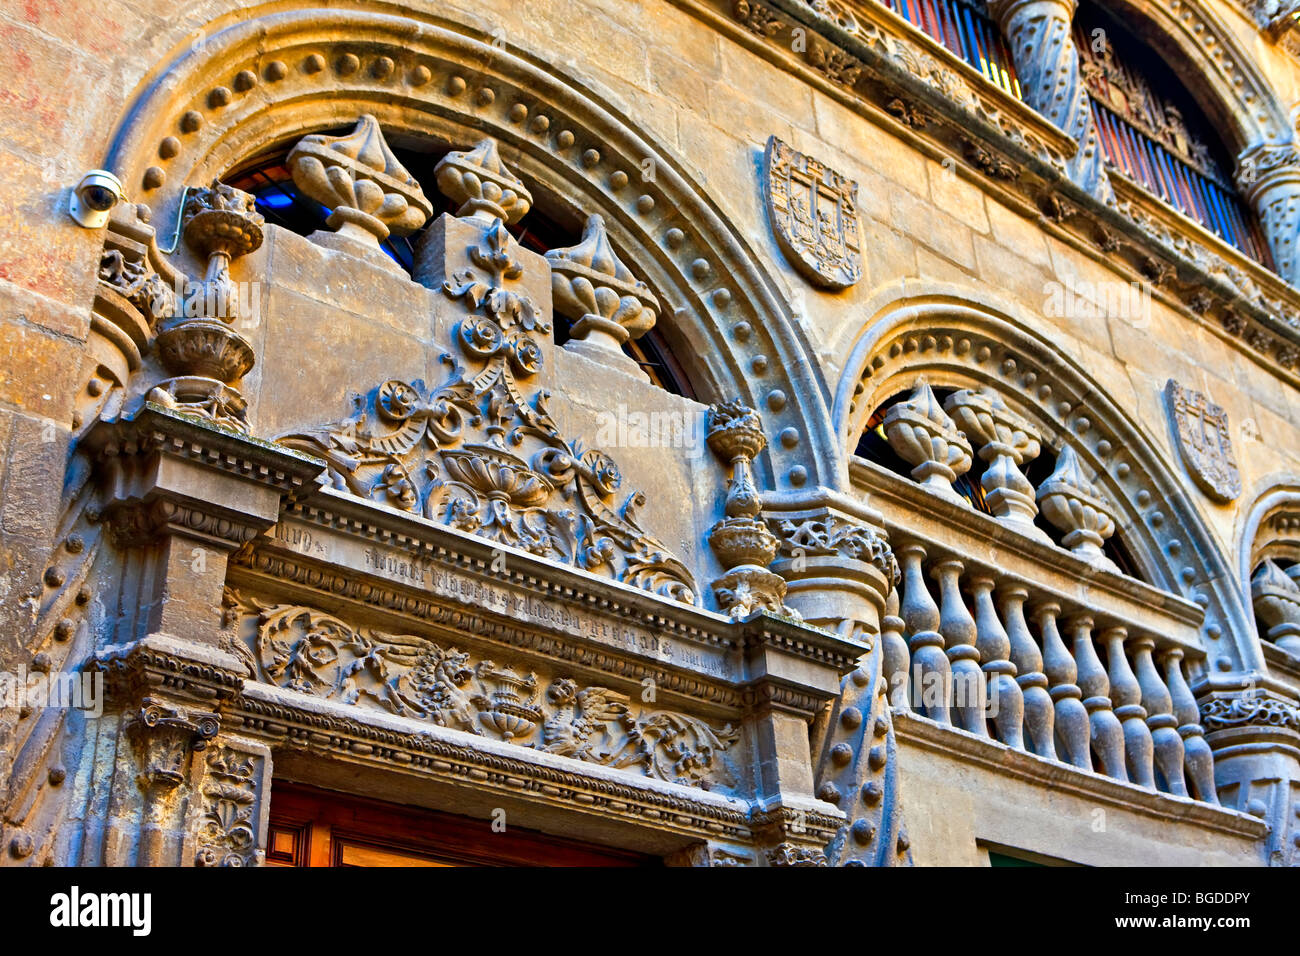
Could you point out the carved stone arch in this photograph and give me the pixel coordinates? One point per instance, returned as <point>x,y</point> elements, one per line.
<point>1231,89</point>
<point>1269,528</point>
<point>964,343</point>
<point>276,74</point>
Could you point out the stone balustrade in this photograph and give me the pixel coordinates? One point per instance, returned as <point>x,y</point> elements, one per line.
<point>1013,661</point>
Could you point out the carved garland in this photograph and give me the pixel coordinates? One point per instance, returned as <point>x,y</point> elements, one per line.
<point>308,651</point>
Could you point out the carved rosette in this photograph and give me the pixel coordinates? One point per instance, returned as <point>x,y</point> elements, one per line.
<point>591,286</point>
<point>742,540</point>
<point>1204,440</point>
<point>200,346</point>
<point>921,433</point>
<point>485,188</point>
<point>1075,505</point>
<point>1006,441</point>
<point>1276,597</point>
<point>1051,80</point>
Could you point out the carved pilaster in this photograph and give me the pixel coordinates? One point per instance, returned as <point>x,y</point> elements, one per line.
<point>179,496</point>
<point>1254,733</point>
<point>1268,175</point>
<point>1042,45</point>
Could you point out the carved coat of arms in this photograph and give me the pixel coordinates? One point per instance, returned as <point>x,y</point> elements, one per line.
<point>814,213</point>
<point>1201,431</point>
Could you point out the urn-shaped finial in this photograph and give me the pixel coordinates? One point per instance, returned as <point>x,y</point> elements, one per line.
<point>358,177</point>
<point>922,434</point>
<point>479,181</point>
<point>1276,597</point>
<point>1073,503</point>
<point>593,287</point>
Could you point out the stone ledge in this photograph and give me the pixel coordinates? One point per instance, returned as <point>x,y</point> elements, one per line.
<point>998,757</point>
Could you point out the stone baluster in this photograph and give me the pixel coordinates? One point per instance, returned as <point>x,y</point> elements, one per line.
<point>921,433</point>
<point>1106,731</point>
<point>1039,717</point>
<point>959,635</point>
<point>1160,716</point>
<point>1268,176</point>
<point>1051,79</point>
<point>1006,703</point>
<point>1198,760</point>
<point>1126,700</point>
<point>895,657</point>
<point>1005,441</point>
<point>931,674</point>
<point>1067,698</point>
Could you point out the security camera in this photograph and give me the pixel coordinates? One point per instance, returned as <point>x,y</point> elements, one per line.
<point>97,193</point>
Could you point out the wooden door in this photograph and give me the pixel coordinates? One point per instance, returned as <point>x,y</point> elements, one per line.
<point>313,827</point>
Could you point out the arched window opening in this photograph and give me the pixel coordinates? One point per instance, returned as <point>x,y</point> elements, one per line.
<point>268,180</point>
<point>1154,134</point>
<point>965,28</point>
<point>874,446</point>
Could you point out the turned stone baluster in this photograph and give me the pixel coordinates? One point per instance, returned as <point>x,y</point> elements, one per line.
<point>1160,717</point>
<point>1126,700</point>
<point>1039,717</point>
<point>1067,698</point>
<point>1006,706</point>
<point>959,635</point>
<point>1106,730</point>
<point>893,649</point>
<point>1197,758</point>
<point>931,675</point>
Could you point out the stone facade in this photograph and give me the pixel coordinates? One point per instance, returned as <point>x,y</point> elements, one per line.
<point>303,514</point>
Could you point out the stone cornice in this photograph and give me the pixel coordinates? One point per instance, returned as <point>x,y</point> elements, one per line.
<point>928,97</point>
<point>688,651</point>
<point>1064,778</point>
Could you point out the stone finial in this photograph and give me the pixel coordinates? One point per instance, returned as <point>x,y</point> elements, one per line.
<point>358,177</point>
<point>1006,441</point>
<point>199,346</point>
<point>1277,605</point>
<point>478,180</point>
<point>1074,504</point>
<point>922,434</point>
<point>742,541</point>
<point>592,286</point>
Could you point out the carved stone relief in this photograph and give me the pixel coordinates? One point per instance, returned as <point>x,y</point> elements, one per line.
<point>1204,440</point>
<point>482,452</point>
<point>311,652</point>
<point>814,214</point>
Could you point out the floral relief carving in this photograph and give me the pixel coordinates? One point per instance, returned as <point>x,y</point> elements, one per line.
<point>311,652</point>
<point>834,536</point>
<point>228,826</point>
<point>482,452</point>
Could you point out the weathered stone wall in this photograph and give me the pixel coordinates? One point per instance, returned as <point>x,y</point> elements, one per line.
<point>705,92</point>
